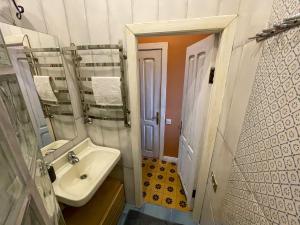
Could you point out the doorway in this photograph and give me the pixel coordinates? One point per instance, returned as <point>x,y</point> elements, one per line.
<point>153,59</point>
<point>225,26</point>
<point>169,177</point>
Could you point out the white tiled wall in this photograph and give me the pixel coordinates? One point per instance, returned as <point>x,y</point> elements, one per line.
<point>253,195</point>
<point>102,21</point>
<point>145,10</point>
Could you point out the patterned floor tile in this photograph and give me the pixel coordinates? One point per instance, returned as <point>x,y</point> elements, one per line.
<point>161,184</point>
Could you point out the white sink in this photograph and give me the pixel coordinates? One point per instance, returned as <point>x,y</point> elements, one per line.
<point>76,184</point>
<point>53,146</point>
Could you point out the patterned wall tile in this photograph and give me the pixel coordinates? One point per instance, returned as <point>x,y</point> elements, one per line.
<point>264,187</point>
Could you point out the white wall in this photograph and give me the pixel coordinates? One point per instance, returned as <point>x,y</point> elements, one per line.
<point>245,203</point>
<point>102,21</point>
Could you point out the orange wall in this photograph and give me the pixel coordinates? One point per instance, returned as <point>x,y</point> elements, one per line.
<point>177,45</point>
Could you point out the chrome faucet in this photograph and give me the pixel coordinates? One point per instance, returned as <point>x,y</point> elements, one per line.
<point>72,158</point>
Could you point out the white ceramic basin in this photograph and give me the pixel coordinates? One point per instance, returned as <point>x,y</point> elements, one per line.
<point>53,146</point>
<point>76,184</point>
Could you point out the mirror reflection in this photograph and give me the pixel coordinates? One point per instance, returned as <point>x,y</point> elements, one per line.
<point>38,63</point>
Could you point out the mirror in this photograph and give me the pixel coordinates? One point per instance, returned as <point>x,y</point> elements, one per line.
<point>38,63</point>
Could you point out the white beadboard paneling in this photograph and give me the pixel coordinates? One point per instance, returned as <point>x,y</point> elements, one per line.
<point>120,13</point>
<point>33,17</point>
<point>97,20</point>
<point>81,129</point>
<point>230,84</point>
<point>125,145</point>
<point>253,17</point>
<point>6,12</point>
<point>110,134</point>
<point>72,87</point>
<point>16,30</point>
<point>228,7</point>
<point>145,10</point>
<point>202,8</point>
<point>94,132</point>
<point>129,185</point>
<point>241,94</point>
<point>76,19</point>
<point>33,38</point>
<point>5,30</point>
<point>63,127</point>
<point>56,20</point>
<point>172,9</point>
<point>47,41</point>
<point>221,167</point>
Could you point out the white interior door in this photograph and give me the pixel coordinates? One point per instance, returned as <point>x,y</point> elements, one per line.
<point>199,59</point>
<point>150,77</point>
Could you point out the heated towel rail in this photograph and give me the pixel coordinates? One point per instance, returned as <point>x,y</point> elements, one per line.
<point>33,57</point>
<point>112,112</point>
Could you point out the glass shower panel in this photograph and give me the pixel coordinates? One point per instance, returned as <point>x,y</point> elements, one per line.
<point>11,188</point>
<point>31,217</point>
<point>45,189</point>
<point>11,95</point>
<point>4,58</point>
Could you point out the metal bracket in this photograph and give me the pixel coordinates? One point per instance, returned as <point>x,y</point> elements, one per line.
<point>286,24</point>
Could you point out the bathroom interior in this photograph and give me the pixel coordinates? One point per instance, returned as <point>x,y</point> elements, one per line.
<point>127,112</point>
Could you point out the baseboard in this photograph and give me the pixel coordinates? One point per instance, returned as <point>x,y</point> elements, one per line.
<point>170,159</point>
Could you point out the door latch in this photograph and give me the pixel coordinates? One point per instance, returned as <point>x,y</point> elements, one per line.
<point>211,75</point>
<point>214,182</point>
<point>157,118</point>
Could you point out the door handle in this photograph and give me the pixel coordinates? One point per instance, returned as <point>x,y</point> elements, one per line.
<point>157,118</point>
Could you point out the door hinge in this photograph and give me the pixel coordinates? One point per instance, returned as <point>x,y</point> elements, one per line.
<point>211,75</point>
<point>194,193</point>
<point>214,181</point>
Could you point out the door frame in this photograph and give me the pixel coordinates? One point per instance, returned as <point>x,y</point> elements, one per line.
<point>225,26</point>
<point>163,46</point>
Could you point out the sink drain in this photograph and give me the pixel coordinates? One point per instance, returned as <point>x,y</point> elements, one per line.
<point>83,176</point>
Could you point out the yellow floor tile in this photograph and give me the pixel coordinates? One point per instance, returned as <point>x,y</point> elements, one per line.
<point>162,163</point>
<point>158,186</point>
<point>148,184</point>
<point>181,203</point>
<point>161,177</point>
<point>172,179</point>
<point>161,184</point>
<point>155,198</point>
<point>168,201</point>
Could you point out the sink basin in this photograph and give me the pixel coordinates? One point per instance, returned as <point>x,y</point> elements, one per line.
<point>53,146</point>
<point>76,184</point>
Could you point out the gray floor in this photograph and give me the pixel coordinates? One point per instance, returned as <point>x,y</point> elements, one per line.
<point>172,215</point>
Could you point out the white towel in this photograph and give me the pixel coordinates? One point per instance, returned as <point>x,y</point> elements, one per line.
<point>44,89</point>
<point>107,90</point>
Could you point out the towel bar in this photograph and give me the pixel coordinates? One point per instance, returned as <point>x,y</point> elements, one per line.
<point>99,64</point>
<point>49,103</point>
<point>90,47</point>
<point>105,106</point>
<point>52,114</point>
<point>89,78</point>
<point>47,64</point>
<point>89,117</point>
<point>76,58</point>
<point>30,50</point>
<point>32,58</point>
